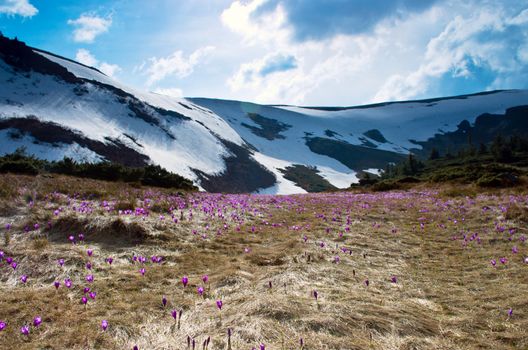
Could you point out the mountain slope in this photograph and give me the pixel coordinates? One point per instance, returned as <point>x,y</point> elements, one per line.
<point>56,107</point>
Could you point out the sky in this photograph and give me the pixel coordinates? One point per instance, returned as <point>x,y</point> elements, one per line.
<point>301,52</point>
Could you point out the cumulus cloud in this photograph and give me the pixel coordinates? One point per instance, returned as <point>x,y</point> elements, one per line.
<point>250,73</point>
<point>268,27</point>
<point>294,84</point>
<point>85,57</point>
<point>278,63</point>
<point>490,40</point>
<point>320,19</point>
<point>175,64</point>
<point>409,49</point>
<point>18,7</point>
<point>109,69</point>
<point>88,27</point>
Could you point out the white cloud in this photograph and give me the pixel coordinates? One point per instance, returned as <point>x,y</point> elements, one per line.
<point>88,27</point>
<point>18,7</point>
<point>402,57</point>
<point>484,39</point>
<point>85,57</point>
<point>173,92</point>
<point>319,64</point>
<point>173,65</point>
<point>109,69</point>
<point>267,28</point>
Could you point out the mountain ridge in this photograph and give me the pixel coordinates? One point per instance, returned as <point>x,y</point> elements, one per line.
<point>222,145</point>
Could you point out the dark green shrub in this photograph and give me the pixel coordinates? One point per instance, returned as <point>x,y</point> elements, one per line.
<point>18,167</point>
<point>386,185</point>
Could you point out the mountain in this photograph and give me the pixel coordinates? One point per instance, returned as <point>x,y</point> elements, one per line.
<point>57,107</point>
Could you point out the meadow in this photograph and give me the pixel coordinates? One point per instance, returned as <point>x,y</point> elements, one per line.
<point>88,264</point>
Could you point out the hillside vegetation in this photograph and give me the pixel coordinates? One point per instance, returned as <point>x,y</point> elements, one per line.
<point>502,163</point>
<point>151,175</point>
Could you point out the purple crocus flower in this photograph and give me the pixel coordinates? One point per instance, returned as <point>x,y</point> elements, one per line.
<point>84,300</point>
<point>72,239</point>
<point>68,283</point>
<point>510,312</point>
<point>200,290</point>
<point>86,290</point>
<point>8,227</point>
<point>503,260</point>
<point>367,282</point>
<point>56,284</point>
<point>164,301</point>
<point>9,260</point>
<point>135,347</point>
<point>394,279</point>
<point>61,262</point>
<point>174,314</point>
<point>205,278</point>
<point>142,271</point>
<point>89,265</point>
<point>109,260</point>
<point>493,262</point>
<point>315,294</point>
<point>81,237</point>
<point>515,250</point>
<point>89,278</point>
<point>23,278</point>
<point>262,347</point>
<point>3,325</point>
<point>185,280</point>
<point>14,265</point>
<point>219,304</point>
<point>104,325</point>
<point>24,330</point>
<point>89,252</point>
<point>37,321</point>
<point>93,295</point>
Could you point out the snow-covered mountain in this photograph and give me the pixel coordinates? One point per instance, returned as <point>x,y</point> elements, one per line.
<point>56,107</point>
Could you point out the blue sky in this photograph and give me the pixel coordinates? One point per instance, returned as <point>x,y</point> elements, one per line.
<point>316,52</point>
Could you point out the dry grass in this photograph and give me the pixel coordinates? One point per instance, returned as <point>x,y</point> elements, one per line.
<point>447,296</point>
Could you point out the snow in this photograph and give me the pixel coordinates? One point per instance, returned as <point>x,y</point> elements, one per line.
<point>213,122</point>
<point>44,150</point>
<point>373,171</point>
<point>98,115</point>
<point>401,122</point>
<point>338,179</point>
<point>282,186</point>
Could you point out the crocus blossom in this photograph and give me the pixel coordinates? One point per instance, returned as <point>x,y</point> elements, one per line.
<point>24,330</point>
